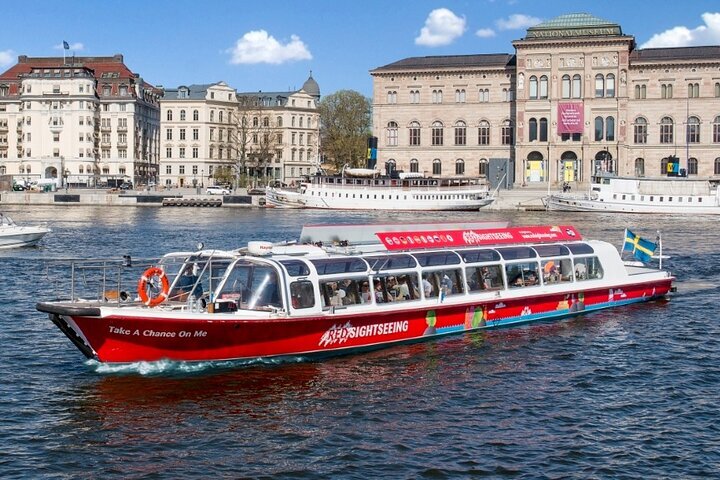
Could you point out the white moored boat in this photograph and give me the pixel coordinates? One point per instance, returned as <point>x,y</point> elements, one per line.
<point>13,235</point>
<point>680,195</point>
<point>366,189</point>
<point>348,288</point>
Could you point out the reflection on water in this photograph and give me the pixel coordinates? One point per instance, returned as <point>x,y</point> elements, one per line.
<point>629,392</point>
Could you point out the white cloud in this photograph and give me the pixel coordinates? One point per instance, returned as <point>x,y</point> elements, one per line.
<point>442,26</point>
<point>707,34</point>
<point>75,47</point>
<point>485,33</point>
<point>517,21</point>
<point>258,47</point>
<point>7,57</point>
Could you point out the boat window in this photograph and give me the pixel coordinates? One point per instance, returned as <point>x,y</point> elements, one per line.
<point>447,282</point>
<point>523,274</point>
<point>515,253</point>
<point>437,258</point>
<point>396,288</point>
<point>390,262</point>
<point>198,276</point>
<point>339,265</point>
<point>302,294</point>
<point>296,268</point>
<point>487,277</point>
<point>253,287</point>
<point>551,250</point>
<point>580,248</point>
<point>343,292</point>
<point>556,271</point>
<point>476,256</point>
<point>588,268</point>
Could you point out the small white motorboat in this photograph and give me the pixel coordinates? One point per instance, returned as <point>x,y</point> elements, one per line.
<point>13,235</point>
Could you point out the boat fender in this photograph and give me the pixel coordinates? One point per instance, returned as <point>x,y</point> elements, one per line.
<point>260,249</point>
<point>149,274</point>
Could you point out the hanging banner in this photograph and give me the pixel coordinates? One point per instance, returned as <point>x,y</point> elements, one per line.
<point>570,118</point>
<point>469,238</point>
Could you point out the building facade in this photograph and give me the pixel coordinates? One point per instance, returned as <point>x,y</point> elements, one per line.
<point>85,121</point>
<point>577,98</point>
<point>262,135</point>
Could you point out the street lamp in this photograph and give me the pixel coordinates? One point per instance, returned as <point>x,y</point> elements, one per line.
<point>66,173</point>
<point>202,178</point>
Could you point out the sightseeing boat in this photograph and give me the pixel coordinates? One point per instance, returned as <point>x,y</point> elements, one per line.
<point>367,189</point>
<point>679,195</point>
<point>341,289</point>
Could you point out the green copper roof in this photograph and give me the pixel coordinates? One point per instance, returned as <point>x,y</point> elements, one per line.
<point>574,25</point>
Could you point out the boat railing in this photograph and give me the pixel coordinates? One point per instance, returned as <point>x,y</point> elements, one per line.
<point>103,281</point>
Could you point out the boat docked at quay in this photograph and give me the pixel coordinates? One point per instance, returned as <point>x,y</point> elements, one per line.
<point>367,189</point>
<point>678,195</point>
<point>13,235</point>
<point>341,289</point>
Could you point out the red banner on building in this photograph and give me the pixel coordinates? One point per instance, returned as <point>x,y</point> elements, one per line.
<point>570,118</point>
<point>469,238</point>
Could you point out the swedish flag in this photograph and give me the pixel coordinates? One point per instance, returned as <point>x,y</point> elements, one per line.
<point>642,249</point>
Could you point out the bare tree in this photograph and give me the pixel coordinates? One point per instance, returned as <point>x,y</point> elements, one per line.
<point>345,126</point>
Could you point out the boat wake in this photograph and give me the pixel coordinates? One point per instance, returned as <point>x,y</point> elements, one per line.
<point>171,366</point>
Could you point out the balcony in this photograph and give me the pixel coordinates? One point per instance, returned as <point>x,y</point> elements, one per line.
<point>105,128</point>
<point>3,127</point>
<point>121,128</point>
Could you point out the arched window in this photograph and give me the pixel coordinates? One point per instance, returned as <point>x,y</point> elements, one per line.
<point>196,115</point>
<point>599,85</point>
<point>437,167</point>
<point>266,122</point>
<point>390,166</point>
<point>639,167</point>
<point>414,133</point>
<point>666,130</point>
<point>437,133</point>
<point>392,134</point>
<point>81,169</point>
<point>693,90</point>
<point>414,165</point>
<point>483,167</point>
<point>279,121</point>
<point>533,87</point>
<point>566,86</point>
<point>640,130</point>
<point>220,116</point>
<point>532,130</point>
<point>692,166</point>
<point>460,95</point>
<point>484,133</point>
<point>610,129</point>
<point>437,96</point>
<point>577,86</point>
<point>544,87</point>
<point>182,115</point>
<point>637,92</point>
<point>716,170</point>
<point>212,115</point>
<point>693,130</point>
<point>459,166</point>
<point>543,130</point>
<point>506,133</point>
<point>460,133</point>
<point>484,95</point>
<point>663,166</point>
<point>610,85</point>
<point>716,129</point>
<point>169,116</point>
<point>599,128</point>
<point>256,122</point>
<point>717,89</point>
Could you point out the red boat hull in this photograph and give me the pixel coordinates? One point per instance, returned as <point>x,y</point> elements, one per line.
<point>209,337</point>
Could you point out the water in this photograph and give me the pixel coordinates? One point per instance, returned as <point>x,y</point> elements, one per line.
<point>627,393</point>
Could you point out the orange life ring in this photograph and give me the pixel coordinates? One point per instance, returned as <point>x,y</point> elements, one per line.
<point>142,286</point>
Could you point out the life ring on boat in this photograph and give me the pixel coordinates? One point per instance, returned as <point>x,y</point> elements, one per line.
<point>143,283</point>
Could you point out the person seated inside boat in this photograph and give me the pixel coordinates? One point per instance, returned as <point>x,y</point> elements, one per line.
<point>185,283</point>
<point>580,271</point>
<point>531,278</point>
<point>334,295</point>
<point>365,294</point>
<point>518,281</point>
<point>402,289</point>
<point>428,288</point>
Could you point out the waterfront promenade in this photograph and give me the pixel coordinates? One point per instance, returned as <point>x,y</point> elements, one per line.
<point>520,198</point>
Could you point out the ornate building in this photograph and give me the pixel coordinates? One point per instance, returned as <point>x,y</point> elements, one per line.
<point>85,121</point>
<point>274,135</point>
<point>576,98</point>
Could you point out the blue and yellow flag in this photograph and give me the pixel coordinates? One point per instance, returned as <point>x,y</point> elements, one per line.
<point>642,249</point>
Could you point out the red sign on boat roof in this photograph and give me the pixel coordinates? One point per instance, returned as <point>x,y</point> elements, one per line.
<point>469,238</point>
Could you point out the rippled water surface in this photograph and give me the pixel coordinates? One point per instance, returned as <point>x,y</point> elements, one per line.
<point>627,393</point>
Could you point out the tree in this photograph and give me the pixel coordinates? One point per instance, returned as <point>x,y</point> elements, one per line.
<point>345,126</point>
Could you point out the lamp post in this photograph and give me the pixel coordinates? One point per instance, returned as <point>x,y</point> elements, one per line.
<point>202,178</point>
<point>66,173</point>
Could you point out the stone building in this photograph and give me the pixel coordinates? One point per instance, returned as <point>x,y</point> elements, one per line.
<point>263,135</point>
<point>82,121</point>
<point>577,97</point>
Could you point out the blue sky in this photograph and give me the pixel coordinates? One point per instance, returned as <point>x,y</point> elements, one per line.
<point>273,45</point>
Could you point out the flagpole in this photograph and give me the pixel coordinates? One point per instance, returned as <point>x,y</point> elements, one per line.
<point>660,245</point>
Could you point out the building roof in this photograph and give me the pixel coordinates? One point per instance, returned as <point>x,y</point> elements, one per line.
<point>490,60</point>
<point>195,92</point>
<point>675,53</point>
<point>574,25</point>
<point>311,87</point>
<point>103,67</point>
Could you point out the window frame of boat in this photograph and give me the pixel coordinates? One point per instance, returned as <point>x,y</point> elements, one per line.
<point>254,262</point>
<point>201,264</point>
<point>325,286</point>
<point>522,270</point>
<point>584,260</point>
<point>384,279</point>
<point>438,273</point>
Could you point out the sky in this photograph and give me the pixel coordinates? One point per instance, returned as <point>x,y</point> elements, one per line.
<point>273,45</point>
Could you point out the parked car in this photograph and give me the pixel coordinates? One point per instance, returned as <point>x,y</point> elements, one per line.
<point>217,190</point>
<point>18,188</point>
<point>126,186</point>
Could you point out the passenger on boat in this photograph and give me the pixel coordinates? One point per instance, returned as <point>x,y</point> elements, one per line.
<point>379,296</point>
<point>531,279</point>
<point>365,295</point>
<point>185,284</point>
<point>402,290</point>
<point>427,287</point>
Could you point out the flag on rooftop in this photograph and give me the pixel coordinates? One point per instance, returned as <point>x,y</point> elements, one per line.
<point>66,45</point>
